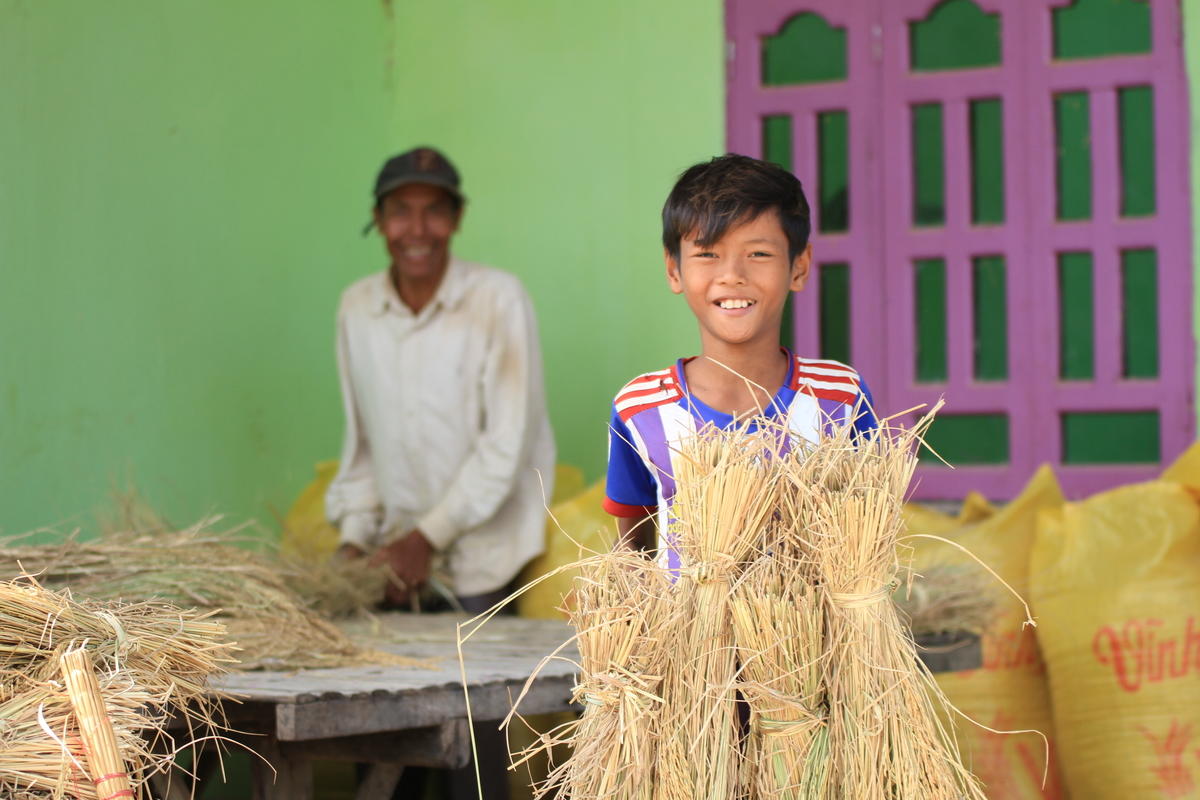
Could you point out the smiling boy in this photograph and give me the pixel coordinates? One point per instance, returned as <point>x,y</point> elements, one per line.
<point>735,239</point>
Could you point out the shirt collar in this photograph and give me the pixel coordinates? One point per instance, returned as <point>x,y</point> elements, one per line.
<point>449,293</point>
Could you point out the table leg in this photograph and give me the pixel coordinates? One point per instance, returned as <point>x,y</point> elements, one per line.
<point>380,782</point>
<point>280,775</point>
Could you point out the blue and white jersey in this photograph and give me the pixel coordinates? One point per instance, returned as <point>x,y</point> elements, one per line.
<point>654,412</point>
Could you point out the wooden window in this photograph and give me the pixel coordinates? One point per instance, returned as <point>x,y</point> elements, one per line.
<point>1002,218</point>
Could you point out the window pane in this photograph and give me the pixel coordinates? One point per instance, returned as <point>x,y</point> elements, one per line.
<point>1129,437</point>
<point>991,318</point>
<point>1136,113</point>
<point>806,50</point>
<point>957,34</point>
<point>987,162</point>
<point>965,439</point>
<point>931,320</point>
<point>1094,28</point>
<point>833,179</point>
<point>929,194</point>
<point>777,140</point>
<point>1139,298</point>
<point>1074,147</point>
<point>1075,315</point>
<point>834,280</point>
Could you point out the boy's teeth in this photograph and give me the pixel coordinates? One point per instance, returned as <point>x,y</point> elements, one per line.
<point>736,303</point>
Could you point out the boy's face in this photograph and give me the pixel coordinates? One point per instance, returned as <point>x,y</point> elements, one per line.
<point>416,222</point>
<point>737,287</point>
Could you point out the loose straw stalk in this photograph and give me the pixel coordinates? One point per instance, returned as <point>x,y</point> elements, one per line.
<point>99,739</point>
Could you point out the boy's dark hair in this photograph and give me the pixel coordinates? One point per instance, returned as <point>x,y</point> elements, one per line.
<point>709,198</point>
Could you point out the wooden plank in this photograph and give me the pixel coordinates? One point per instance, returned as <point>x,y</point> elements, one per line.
<point>443,746</point>
<point>338,716</point>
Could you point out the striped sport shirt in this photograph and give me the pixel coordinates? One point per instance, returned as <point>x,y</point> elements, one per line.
<point>654,412</point>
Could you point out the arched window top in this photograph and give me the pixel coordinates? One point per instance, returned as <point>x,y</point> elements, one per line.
<point>807,49</point>
<point>1097,28</point>
<point>957,34</point>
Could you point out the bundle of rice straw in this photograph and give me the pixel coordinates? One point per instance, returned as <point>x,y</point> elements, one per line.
<point>783,609</point>
<point>250,591</point>
<point>946,599</point>
<point>621,611</point>
<point>151,661</point>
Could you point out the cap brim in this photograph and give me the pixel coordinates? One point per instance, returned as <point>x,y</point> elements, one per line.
<point>394,184</point>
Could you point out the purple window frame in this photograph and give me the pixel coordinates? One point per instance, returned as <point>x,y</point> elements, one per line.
<point>882,244</point>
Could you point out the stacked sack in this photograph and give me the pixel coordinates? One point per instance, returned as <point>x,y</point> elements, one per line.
<point>1115,584</point>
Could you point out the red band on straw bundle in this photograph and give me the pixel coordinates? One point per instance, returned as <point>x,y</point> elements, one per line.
<point>110,776</point>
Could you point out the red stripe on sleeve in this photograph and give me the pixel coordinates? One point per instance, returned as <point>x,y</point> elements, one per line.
<point>621,510</point>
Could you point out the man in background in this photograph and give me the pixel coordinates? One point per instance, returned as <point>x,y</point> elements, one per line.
<point>448,453</point>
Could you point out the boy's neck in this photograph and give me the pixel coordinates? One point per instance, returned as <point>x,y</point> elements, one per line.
<point>738,380</point>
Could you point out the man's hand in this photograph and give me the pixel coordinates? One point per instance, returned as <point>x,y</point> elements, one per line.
<point>409,557</point>
<point>349,552</point>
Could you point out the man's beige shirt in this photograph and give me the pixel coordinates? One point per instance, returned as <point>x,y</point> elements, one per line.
<point>446,424</point>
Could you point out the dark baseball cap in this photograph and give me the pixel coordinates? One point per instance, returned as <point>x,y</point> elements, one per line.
<point>419,165</point>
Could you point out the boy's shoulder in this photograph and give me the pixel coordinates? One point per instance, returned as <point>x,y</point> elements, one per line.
<point>827,379</point>
<point>646,391</point>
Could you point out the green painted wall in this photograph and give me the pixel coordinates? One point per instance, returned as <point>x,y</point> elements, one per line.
<point>182,188</point>
<point>570,122</point>
<point>181,192</point>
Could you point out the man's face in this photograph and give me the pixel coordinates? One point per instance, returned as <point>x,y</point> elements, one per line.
<point>416,222</point>
<point>737,286</point>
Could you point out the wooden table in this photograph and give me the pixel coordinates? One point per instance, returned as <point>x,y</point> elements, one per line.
<point>395,716</point>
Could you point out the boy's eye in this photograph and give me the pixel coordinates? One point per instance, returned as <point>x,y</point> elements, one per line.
<point>760,254</point>
<point>705,254</point>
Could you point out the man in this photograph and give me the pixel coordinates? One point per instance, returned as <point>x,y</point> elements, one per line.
<point>448,451</point>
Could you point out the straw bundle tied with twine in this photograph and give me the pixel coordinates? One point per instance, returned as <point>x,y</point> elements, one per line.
<point>774,663</point>
<point>147,662</point>
<point>274,608</point>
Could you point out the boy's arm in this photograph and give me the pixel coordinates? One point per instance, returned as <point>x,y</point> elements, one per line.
<point>630,492</point>
<point>637,533</point>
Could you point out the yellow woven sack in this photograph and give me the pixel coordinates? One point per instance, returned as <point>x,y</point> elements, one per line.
<point>1009,692</point>
<point>1186,469</point>
<point>306,532</point>
<point>1116,586</point>
<point>583,521</point>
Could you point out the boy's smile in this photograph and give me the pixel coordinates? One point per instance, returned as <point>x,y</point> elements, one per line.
<point>738,285</point>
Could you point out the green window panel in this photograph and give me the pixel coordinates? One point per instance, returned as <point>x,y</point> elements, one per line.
<point>806,50</point>
<point>777,140</point>
<point>1073,140</point>
<point>968,439</point>
<point>1135,106</point>
<point>957,34</point>
<point>929,190</point>
<point>1112,437</point>
<point>833,171</point>
<point>991,318</point>
<point>834,280</point>
<point>930,282</point>
<point>1076,317</point>
<point>987,162</point>
<point>1139,313</point>
<point>1095,28</point>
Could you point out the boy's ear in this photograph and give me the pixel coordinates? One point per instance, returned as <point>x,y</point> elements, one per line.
<point>674,278</point>
<point>801,266</point>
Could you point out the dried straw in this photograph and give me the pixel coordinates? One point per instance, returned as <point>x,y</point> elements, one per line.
<point>790,557</point>
<point>252,592</point>
<point>151,660</point>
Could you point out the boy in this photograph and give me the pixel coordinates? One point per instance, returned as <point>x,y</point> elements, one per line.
<point>735,239</point>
